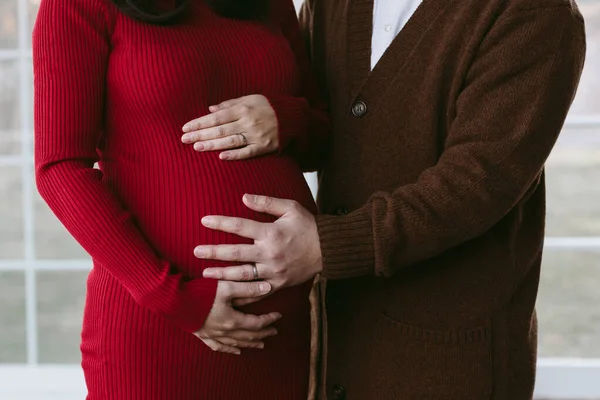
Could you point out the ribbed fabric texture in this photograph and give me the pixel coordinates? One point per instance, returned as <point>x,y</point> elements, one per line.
<point>115,91</point>
<point>469,176</point>
<point>433,199</point>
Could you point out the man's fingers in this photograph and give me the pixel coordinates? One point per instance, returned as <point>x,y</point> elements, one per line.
<point>255,322</point>
<point>220,347</point>
<point>269,205</point>
<point>218,132</point>
<point>234,290</point>
<point>241,343</point>
<point>221,117</point>
<point>240,273</point>
<point>239,226</point>
<point>228,252</point>
<point>226,104</point>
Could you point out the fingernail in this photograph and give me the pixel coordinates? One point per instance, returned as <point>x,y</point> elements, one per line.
<point>186,128</point>
<point>250,198</point>
<point>186,139</point>
<point>208,273</point>
<point>208,221</point>
<point>213,108</point>
<point>264,287</point>
<point>274,333</point>
<point>198,146</point>
<point>261,346</point>
<point>224,156</point>
<point>198,252</point>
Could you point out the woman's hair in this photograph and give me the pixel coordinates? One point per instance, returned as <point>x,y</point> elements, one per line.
<point>148,11</point>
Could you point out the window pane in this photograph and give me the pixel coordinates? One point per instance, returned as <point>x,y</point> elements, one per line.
<point>11,213</point>
<point>568,305</point>
<point>9,106</point>
<point>8,24</point>
<point>587,101</point>
<point>12,317</point>
<point>573,174</point>
<point>52,240</point>
<point>61,298</point>
<point>33,9</point>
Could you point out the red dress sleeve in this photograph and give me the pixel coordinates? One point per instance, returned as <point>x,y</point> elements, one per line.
<point>70,54</point>
<point>304,129</point>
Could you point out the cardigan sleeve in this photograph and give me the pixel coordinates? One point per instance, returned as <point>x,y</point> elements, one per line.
<point>304,129</point>
<point>70,55</point>
<point>514,102</point>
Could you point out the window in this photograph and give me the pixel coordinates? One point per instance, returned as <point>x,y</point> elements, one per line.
<point>43,270</point>
<point>568,311</point>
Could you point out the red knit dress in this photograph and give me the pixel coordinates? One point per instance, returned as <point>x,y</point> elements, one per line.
<point>116,91</point>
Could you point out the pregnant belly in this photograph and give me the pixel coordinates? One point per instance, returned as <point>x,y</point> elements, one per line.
<point>168,202</point>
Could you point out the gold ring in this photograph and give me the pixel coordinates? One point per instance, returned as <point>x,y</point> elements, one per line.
<point>244,139</point>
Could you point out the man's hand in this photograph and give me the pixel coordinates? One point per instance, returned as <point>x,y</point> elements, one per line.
<point>226,329</point>
<point>285,253</point>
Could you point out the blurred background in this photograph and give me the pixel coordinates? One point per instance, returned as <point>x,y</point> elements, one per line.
<point>43,270</point>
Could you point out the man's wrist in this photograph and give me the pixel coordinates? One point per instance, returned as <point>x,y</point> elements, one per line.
<point>346,245</point>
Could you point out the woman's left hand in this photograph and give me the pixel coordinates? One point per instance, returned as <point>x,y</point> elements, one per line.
<point>245,127</point>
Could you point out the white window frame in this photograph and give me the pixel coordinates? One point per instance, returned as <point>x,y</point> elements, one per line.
<point>562,378</point>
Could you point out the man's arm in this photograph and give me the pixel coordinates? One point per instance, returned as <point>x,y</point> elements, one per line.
<point>514,103</point>
<point>515,99</point>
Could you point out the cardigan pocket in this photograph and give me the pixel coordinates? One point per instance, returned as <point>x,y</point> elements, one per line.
<point>416,363</point>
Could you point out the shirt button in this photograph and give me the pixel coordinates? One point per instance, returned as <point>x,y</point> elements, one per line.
<point>359,109</point>
<point>339,393</point>
<point>387,28</point>
<point>341,211</point>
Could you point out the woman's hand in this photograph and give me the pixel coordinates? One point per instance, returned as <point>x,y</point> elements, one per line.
<point>227,330</point>
<point>245,127</point>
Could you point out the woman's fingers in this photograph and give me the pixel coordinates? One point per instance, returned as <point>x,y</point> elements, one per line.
<point>252,336</point>
<point>237,339</point>
<point>230,142</point>
<point>241,343</point>
<point>218,118</point>
<point>226,104</point>
<point>246,128</point>
<point>256,322</point>
<point>221,131</point>
<point>220,347</point>
<point>244,153</point>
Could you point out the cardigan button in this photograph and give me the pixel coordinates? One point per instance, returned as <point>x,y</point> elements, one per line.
<point>339,393</point>
<point>359,109</point>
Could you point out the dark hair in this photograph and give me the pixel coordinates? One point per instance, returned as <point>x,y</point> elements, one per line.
<point>147,11</point>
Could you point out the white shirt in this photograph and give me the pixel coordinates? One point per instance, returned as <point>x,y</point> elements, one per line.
<point>389,17</point>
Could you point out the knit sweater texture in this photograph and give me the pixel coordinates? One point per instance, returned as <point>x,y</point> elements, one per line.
<point>115,91</point>
<point>432,202</point>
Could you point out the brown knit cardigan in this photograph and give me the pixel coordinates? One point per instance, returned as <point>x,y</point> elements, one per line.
<point>433,200</point>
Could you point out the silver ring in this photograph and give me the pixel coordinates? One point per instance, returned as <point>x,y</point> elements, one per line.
<point>244,139</point>
<point>255,272</point>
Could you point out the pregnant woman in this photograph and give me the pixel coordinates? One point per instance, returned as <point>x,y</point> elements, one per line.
<point>171,99</point>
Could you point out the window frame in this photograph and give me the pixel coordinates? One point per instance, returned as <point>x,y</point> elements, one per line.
<point>565,378</point>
